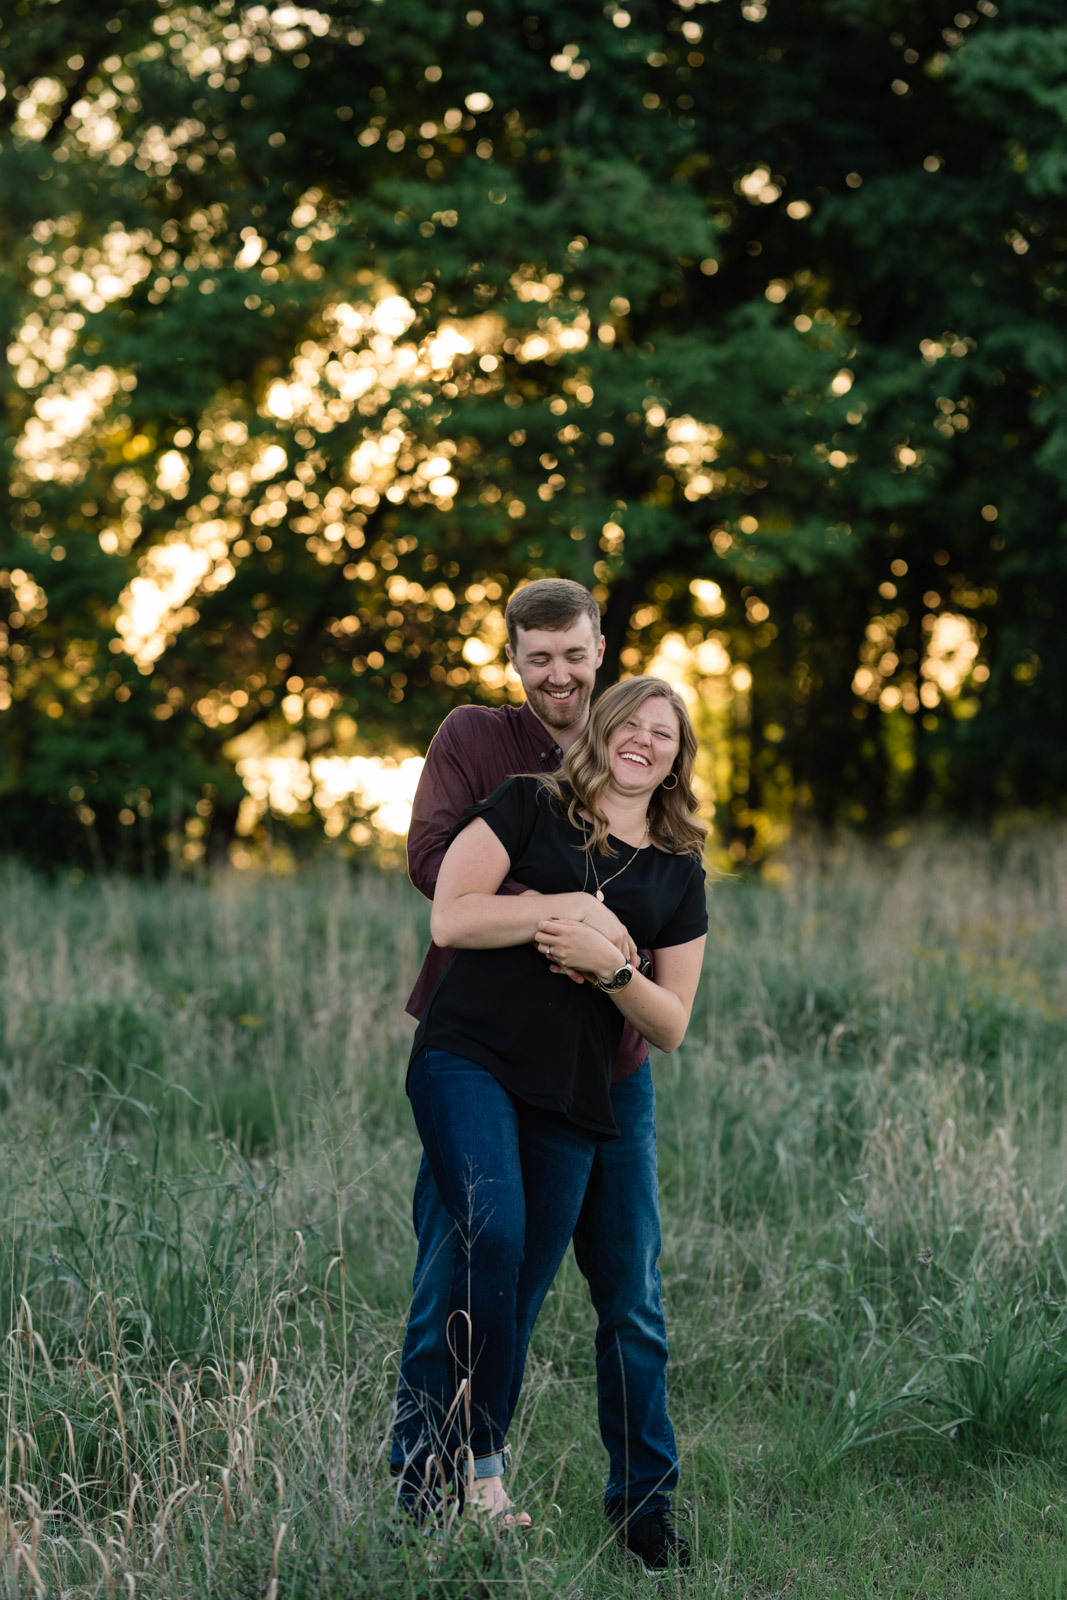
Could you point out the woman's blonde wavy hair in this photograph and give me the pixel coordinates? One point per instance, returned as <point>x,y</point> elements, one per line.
<point>673,823</point>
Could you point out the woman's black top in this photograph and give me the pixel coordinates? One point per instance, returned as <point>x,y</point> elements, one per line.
<point>547,1040</point>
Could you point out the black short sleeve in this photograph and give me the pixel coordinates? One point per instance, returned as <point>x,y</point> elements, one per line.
<point>690,918</point>
<point>511,812</point>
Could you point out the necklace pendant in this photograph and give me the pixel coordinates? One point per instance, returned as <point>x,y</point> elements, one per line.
<point>600,896</point>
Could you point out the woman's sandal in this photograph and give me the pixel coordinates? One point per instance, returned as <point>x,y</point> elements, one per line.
<point>505,1519</point>
<point>512,1520</point>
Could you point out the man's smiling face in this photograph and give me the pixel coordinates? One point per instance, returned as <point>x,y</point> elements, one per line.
<point>557,669</point>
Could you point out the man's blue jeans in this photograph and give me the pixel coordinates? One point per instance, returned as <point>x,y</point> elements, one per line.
<point>617,1245</point>
<point>503,1169</point>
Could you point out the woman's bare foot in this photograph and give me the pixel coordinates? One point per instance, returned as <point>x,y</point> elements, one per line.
<point>489,1497</point>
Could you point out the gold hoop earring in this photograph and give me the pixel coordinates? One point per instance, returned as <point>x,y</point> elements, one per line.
<point>669,786</point>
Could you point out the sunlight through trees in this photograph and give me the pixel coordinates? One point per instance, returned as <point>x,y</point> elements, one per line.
<point>325,327</point>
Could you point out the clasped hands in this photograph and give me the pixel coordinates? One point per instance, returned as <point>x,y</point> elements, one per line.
<point>593,946</point>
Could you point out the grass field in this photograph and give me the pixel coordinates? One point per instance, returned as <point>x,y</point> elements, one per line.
<point>205,1244</point>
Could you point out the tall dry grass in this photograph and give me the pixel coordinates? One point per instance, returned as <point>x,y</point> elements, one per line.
<point>205,1236</point>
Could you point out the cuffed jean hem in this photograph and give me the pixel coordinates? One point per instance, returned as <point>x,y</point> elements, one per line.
<point>490,1466</point>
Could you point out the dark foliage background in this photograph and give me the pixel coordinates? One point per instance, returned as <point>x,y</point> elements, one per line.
<point>751,316</point>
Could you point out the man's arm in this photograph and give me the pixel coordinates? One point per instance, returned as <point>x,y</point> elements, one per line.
<point>444,791</point>
<point>450,782</point>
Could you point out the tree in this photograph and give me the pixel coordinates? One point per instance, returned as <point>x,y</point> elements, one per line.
<point>327,325</point>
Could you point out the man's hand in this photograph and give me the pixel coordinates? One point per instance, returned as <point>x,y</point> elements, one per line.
<point>595,914</point>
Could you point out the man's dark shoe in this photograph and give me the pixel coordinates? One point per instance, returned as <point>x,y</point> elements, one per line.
<point>655,1542</point>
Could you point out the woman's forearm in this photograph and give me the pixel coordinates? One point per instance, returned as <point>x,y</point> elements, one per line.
<point>657,1013</point>
<point>661,1009</point>
<point>494,921</point>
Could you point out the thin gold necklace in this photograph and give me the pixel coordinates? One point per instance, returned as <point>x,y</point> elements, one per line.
<point>600,887</point>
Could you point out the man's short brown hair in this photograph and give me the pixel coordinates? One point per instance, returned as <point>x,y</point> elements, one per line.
<point>551,603</point>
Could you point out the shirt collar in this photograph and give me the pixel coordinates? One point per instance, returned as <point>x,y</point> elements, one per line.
<point>548,751</point>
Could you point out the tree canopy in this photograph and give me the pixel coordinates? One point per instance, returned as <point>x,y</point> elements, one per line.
<point>326,326</point>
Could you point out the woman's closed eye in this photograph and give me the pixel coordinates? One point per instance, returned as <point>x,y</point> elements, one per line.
<point>656,733</point>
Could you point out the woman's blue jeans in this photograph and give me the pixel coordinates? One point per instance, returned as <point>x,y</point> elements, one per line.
<point>504,1169</point>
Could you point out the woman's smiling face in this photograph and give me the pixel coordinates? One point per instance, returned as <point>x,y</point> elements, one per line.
<point>642,751</point>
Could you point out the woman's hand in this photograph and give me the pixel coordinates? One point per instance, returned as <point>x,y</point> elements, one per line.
<point>578,947</point>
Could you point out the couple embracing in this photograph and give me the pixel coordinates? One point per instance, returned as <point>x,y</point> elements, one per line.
<point>569,924</point>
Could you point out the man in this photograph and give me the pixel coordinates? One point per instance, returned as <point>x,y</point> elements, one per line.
<point>555,645</point>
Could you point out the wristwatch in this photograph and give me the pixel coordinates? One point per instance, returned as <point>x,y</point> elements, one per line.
<point>620,979</point>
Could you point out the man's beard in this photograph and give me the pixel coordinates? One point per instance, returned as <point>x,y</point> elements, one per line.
<point>561,717</point>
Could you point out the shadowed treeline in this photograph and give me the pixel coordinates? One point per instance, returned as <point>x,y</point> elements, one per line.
<point>327,326</point>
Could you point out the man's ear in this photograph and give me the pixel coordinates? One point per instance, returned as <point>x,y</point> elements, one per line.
<point>509,652</point>
<point>600,650</point>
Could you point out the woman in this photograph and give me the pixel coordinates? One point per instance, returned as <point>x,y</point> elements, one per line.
<point>511,1068</point>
